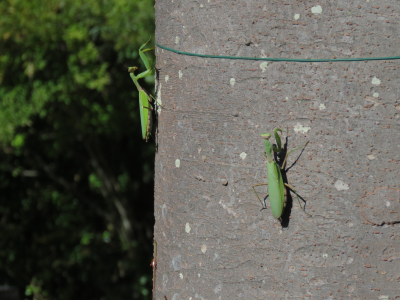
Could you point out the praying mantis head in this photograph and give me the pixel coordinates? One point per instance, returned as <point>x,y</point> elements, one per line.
<point>132,69</point>
<point>267,146</point>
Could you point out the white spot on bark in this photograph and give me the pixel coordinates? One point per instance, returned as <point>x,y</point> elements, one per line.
<point>263,53</point>
<point>181,275</point>
<point>387,203</point>
<point>165,281</point>
<point>325,255</point>
<point>300,128</point>
<point>243,155</point>
<point>296,16</point>
<point>232,81</point>
<point>371,156</point>
<point>318,281</point>
<point>177,163</point>
<point>228,209</point>
<point>263,66</point>
<point>376,95</point>
<point>166,78</point>
<point>341,186</point>
<point>187,228</point>
<point>164,210</point>
<point>317,9</point>
<point>373,100</point>
<point>375,81</point>
<point>201,6</point>
<point>176,262</point>
<point>159,102</point>
<point>218,288</point>
<point>180,74</point>
<point>350,260</point>
<point>203,248</point>
<point>177,40</point>
<point>199,296</point>
<point>322,106</point>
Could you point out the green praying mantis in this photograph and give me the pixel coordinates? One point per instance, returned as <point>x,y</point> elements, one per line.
<point>144,98</point>
<point>276,187</point>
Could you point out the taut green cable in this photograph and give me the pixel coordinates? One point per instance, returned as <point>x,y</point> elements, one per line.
<point>279,59</point>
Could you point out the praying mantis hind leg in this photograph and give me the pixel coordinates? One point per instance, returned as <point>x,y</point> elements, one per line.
<point>303,208</point>
<point>151,98</point>
<point>259,184</point>
<point>263,204</point>
<point>287,154</point>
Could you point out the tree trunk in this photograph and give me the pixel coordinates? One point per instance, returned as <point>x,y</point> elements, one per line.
<point>213,240</point>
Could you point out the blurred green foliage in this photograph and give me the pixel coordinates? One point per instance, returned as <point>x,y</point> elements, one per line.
<point>76,201</point>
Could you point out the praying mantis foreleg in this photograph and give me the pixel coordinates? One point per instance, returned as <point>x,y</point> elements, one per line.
<point>285,201</point>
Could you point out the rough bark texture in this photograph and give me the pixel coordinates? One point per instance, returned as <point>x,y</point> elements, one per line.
<point>213,240</point>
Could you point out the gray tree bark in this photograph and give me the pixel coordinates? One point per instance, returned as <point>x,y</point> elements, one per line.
<point>213,240</point>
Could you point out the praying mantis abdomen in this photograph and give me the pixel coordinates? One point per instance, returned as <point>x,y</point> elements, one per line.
<point>276,189</point>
